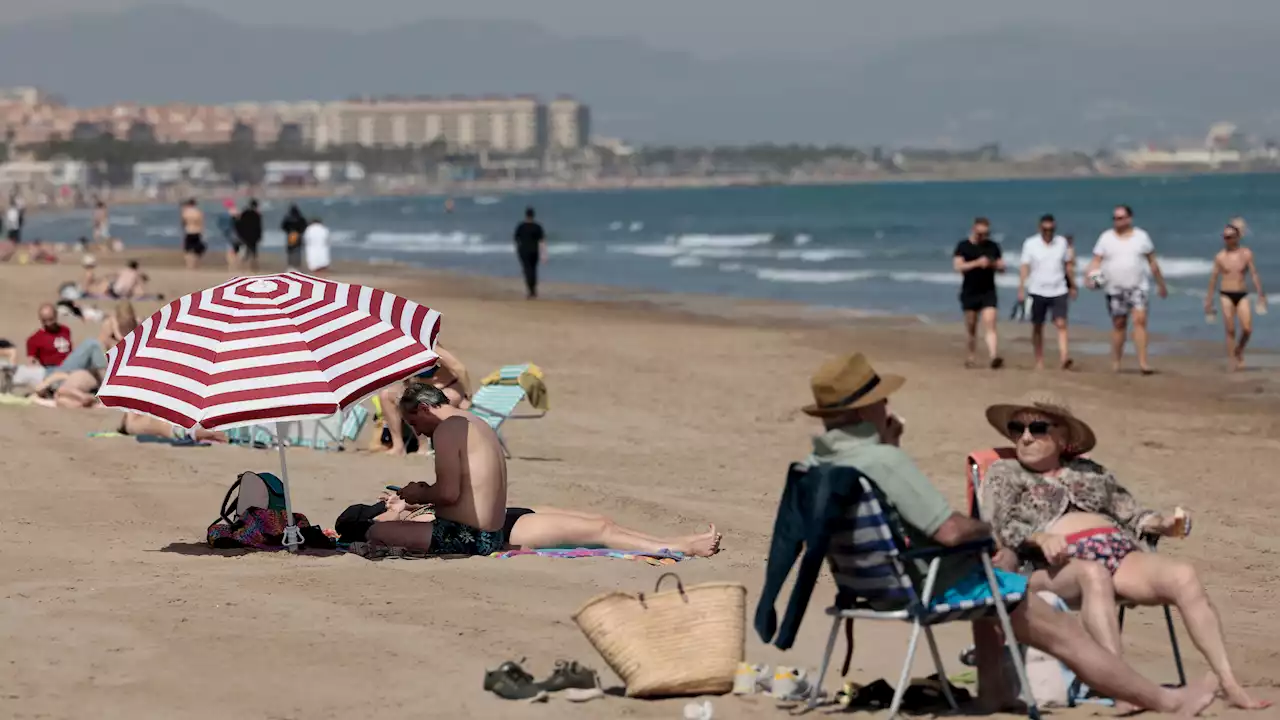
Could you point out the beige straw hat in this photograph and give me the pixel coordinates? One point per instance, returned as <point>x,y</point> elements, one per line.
<point>1080,437</point>
<point>847,383</point>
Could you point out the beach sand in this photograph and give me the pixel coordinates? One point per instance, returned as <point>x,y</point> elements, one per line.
<point>113,606</point>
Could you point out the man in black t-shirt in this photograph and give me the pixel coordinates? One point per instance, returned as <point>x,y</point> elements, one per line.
<point>978,259</point>
<point>531,249</point>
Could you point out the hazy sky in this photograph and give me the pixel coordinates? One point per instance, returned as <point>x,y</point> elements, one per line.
<point>718,27</point>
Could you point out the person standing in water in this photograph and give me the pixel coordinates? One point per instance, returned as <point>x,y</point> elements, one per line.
<point>101,226</point>
<point>294,225</point>
<point>249,230</point>
<point>531,249</point>
<point>1230,266</point>
<point>193,246</point>
<point>978,259</point>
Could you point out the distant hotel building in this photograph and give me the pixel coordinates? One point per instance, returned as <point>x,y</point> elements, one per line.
<point>517,125</point>
<point>499,124</point>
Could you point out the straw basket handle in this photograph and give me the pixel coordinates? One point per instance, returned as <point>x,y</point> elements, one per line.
<point>658,585</point>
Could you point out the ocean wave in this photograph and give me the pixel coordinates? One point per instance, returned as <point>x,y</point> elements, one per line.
<point>124,220</point>
<point>817,255</point>
<point>425,241</point>
<point>486,200</point>
<point>686,261</point>
<point>821,277</point>
<point>1184,267</point>
<point>699,240</point>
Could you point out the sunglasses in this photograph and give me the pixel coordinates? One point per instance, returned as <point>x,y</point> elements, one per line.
<point>1037,428</point>
<point>1119,217</point>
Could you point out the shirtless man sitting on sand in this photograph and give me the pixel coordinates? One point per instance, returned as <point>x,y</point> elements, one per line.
<point>1231,264</point>
<point>449,375</point>
<point>469,497</point>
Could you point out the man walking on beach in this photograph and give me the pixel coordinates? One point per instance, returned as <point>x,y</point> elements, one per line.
<point>978,259</point>
<point>193,246</point>
<point>1231,264</point>
<point>249,230</point>
<point>1047,274</point>
<point>1124,255</point>
<point>852,401</point>
<point>531,249</point>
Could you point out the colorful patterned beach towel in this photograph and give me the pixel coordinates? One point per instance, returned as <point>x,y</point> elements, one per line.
<point>665,557</point>
<point>380,552</point>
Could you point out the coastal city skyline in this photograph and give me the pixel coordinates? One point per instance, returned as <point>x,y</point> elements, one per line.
<point>915,84</point>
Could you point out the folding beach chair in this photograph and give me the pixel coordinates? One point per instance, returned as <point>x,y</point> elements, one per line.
<point>496,403</point>
<point>874,569</point>
<point>977,465</point>
<point>329,433</point>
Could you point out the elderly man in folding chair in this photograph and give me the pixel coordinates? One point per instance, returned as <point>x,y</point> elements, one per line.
<point>945,551</point>
<point>1085,533</point>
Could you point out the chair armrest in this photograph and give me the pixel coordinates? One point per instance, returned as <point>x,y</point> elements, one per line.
<point>973,547</point>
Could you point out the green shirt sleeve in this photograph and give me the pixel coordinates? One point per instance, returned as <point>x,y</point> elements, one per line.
<point>917,501</point>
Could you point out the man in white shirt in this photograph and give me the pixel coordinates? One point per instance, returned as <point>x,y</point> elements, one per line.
<point>1048,275</point>
<point>1125,255</point>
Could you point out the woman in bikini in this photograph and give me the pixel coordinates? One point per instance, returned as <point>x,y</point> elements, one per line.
<point>1085,527</point>
<point>449,375</point>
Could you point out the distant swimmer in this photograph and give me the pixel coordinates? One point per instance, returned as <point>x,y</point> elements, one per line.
<point>101,226</point>
<point>448,205</point>
<point>978,259</point>
<point>193,247</point>
<point>1230,267</point>
<point>531,249</point>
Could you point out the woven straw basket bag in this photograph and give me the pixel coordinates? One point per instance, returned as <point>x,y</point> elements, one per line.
<point>677,642</point>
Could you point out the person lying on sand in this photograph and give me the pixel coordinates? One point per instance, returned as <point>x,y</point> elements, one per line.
<point>1086,526</point>
<point>448,374</point>
<point>469,498</point>
<point>74,390</point>
<point>852,401</point>
<point>133,424</point>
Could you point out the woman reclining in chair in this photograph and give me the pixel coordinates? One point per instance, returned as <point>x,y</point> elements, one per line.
<point>1071,511</point>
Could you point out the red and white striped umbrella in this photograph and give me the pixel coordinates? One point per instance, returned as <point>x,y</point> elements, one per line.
<point>269,348</point>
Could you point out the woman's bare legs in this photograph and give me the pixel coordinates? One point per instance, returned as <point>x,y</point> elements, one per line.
<point>551,527</point>
<point>1152,579</point>
<point>1086,585</point>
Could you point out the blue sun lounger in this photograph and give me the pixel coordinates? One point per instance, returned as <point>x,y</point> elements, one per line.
<point>497,403</point>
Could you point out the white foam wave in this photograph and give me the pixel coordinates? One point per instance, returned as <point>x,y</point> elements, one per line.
<point>943,278</point>
<point>426,241</point>
<point>822,277</point>
<point>818,256</point>
<point>723,241</point>
<point>686,261</point>
<point>636,226</point>
<point>486,200</point>
<point>164,231</point>
<point>656,251</point>
<point>1184,267</point>
<point>802,239</point>
<point>615,225</point>
<point>124,220</point>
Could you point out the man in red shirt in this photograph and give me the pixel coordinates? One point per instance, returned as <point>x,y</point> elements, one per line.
<point>51,344</point>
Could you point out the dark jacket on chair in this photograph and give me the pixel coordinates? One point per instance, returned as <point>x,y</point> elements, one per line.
<point>812,509</point>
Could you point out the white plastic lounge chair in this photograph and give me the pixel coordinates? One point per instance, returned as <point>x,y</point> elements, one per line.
<point>496,404</point>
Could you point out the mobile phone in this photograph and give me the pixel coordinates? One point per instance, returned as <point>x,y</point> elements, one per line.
<point>394,488</point>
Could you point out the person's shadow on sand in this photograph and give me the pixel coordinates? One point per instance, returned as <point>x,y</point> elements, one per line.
<point>203,549</point>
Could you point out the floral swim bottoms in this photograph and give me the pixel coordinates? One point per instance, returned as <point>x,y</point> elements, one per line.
<point>454,538</point>
<point>1108,546</point>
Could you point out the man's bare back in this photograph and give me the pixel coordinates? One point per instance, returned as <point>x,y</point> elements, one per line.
<point>1233,267</point>
<point>468,449</point>
<point>192,220</point>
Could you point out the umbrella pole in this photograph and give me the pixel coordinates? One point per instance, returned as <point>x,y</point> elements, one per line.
<point>292,538</point>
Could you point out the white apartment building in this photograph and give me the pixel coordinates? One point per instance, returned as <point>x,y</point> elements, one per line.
<point>499,124</point>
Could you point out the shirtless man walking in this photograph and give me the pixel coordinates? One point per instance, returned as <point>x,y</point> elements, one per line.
<point>193,246</point>
<point>469,498</point>
<point>1230,265</point>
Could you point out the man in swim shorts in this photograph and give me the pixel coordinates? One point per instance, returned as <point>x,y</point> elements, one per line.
<point>193,247</point>
<point>1233,264</point>
<point>468,513</point>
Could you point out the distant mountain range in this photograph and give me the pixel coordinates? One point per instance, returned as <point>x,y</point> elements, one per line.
<point>1021,86</point>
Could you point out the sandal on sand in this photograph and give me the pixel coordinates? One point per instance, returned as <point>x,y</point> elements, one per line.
<point>570,675</point>
<point>509,681</point>
<point>997,363</point>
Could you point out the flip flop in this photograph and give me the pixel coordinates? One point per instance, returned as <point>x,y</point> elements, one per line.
<point>997,363</point>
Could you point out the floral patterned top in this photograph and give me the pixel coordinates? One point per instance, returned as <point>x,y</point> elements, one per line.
<point>1020,503</point>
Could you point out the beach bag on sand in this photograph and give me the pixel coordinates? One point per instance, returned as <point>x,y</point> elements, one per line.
<point>253,516</point>
<point>672,643</point>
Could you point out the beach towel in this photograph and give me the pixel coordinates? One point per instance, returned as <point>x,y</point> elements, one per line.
<point>382,552</point>
<point>531,381</point>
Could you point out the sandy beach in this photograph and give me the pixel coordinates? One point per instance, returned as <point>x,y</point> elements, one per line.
<point>664,419</point>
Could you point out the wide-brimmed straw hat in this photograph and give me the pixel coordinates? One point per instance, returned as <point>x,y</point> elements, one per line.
<point>847,383</point>
<point>1080,437</point>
